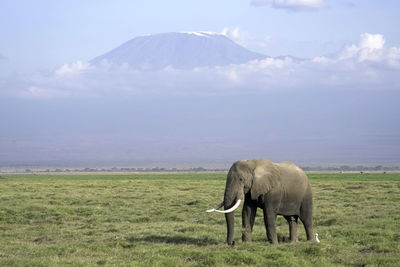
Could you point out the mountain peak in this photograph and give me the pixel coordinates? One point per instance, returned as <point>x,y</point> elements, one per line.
<point>181,50</point>
<point>204,34</point>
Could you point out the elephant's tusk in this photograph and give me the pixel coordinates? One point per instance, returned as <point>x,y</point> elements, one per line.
<point>217,207</point>
<point>231,209</point>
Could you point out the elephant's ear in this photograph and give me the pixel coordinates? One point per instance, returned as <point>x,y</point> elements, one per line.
<point>266,176</point>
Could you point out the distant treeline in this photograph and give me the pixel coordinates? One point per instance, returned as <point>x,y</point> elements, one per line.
<point>343,168</point>
<point>346,168</point>
<point>116,169</point>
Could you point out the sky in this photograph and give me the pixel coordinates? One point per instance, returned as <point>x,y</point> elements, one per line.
<point>336,105</point>
<point>42,34</point>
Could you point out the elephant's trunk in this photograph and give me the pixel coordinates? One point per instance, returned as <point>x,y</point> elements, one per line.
<point>233,196</point>
<point>229,200</point>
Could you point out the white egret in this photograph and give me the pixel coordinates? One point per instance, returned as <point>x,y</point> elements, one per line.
<point>316,238</point>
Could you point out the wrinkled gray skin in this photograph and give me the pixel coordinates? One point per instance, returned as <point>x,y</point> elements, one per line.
<point>276,188</point>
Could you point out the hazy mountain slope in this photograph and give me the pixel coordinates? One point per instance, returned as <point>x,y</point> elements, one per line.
<point>178,50</point>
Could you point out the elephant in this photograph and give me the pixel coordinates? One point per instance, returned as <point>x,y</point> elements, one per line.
<point>277,188</point>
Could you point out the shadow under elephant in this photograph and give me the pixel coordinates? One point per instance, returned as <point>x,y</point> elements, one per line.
<point>201,241</point>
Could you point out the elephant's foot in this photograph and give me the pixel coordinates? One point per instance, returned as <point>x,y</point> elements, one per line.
<point>246,234</point>
<point>273,241</point>
<point>232,243</point>
<point>246,237</point>
<point>294,237</point>
<point>272,238</point>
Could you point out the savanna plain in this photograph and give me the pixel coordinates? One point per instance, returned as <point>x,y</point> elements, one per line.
<point>160,220</point>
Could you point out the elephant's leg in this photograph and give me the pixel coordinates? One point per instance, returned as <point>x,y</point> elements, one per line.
<point>270,225</point>
<point>292,221</point>
<point>253,216</point>
<point>248,217</point>
<point>306,219</point>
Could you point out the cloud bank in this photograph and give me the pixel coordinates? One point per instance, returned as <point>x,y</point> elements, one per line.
<point>367,65</point>
<point>293,5</point>
<point>341,108</point>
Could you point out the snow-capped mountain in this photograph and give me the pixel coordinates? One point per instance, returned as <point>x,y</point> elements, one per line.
<point>185,50</point>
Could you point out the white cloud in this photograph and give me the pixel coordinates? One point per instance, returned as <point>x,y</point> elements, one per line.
<point>232,33</point>
<point>245,39</point>
<point>370,47</point>
<point>368,65</point>
<point>371,41</point>
<point>296,5</point>
<point>73,68</point>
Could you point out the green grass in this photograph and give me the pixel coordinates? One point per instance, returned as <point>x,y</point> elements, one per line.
<point>159,220</point>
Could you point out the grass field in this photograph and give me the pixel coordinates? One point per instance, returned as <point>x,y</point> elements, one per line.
<point>159,220</point>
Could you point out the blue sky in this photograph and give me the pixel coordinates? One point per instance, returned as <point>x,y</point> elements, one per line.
<point>42,34</point>
<point>338,105</point>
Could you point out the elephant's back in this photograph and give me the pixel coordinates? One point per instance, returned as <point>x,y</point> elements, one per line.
<point>291,171</point>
